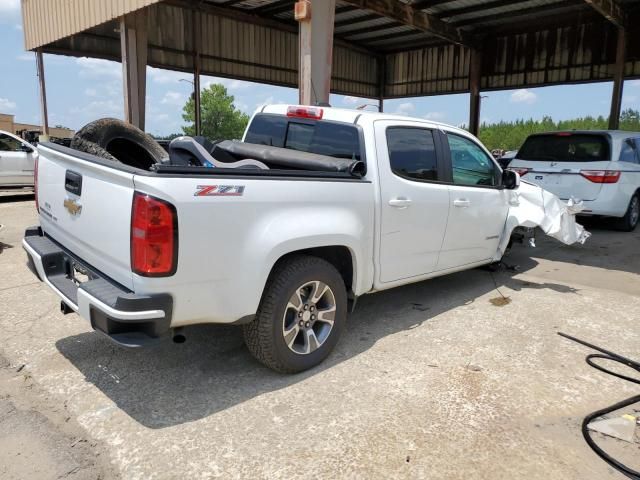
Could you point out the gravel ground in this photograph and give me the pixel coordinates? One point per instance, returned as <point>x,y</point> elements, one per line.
<point>440,379</point>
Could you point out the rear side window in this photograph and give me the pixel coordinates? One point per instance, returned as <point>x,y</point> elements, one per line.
<point>9,144</point>
<point>629,151</point>
<point>412,153</point>
<point>566,147</point>
<point>335,139</point>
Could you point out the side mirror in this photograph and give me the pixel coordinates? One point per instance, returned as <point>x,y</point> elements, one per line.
<point>510,179</point>
<point>26,148</point>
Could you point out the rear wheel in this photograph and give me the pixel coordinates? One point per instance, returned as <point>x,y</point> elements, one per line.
<point>301,315</point>
<point>629,222</point>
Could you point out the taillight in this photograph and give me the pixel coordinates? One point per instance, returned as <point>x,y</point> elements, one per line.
<point>314,113</point>
<point>35,182</point>
<point>154,237</point>
<point>522,171</point>
<point>601,176</point>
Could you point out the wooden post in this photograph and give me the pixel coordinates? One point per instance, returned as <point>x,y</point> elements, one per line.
<point>475,73</point>
<point>316,18</point>
<point>618,81</point>
<point>43,97</point>
<point>197,40</point>
<point>133,44</point>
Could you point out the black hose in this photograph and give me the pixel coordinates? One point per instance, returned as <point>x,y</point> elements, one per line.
<point>613,357</point>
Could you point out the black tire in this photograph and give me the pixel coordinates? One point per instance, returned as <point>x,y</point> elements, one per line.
<point>629,222</point>
<point>118,141</point>
<point>264,335</point>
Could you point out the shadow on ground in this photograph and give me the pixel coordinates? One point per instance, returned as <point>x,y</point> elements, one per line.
<point>16,196</point>
<point>173,384</point>
<point>607,248</point>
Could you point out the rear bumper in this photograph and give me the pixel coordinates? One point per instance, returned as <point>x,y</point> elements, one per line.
<point>612,201</point>
<point>128,319</point>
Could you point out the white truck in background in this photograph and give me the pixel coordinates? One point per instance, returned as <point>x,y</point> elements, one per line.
<point>285,252</point>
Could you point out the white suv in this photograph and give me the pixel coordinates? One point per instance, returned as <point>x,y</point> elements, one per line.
<point>17,159</point>
<point>602,168</point>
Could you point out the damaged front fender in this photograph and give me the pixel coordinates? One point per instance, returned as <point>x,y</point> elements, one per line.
<point>531,206</point>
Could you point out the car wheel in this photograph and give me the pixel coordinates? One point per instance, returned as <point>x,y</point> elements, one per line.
<point>629,222</point>
<point>301,315</point>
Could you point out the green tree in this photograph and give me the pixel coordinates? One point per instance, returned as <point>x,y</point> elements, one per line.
<point>511,135</point>
<point>221,120</point>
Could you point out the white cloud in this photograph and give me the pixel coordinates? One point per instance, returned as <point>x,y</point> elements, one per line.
<point>164,77</point>
<point>18,26</point>
<point>436,116</point>
<point>523,96</point>
<point>229,84</point>
<point>633,83</point>
<point>406,108</point>
<point>91,92</point>
<point>177,99</point>
<point>349,100</point>
<point>98,109</point>
<point>9,6</point>
<point>630,100</point>
<point>98,68</point>
<point>26,57</point>
<point>7,105</point>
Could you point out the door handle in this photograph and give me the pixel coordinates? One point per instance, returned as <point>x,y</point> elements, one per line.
<point>400,202</point>
<point>461,202</point>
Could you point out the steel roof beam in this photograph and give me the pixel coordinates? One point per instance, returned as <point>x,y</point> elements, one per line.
<point>405,14</point>
<point>424,4</point>
<point>540,9</point>
<point>476,8</point>
<point>609,9</point>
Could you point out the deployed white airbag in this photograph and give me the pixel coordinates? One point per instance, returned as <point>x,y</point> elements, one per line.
<point>532,206</point>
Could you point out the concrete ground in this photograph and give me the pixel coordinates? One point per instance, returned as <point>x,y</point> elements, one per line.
<point>432,380</point>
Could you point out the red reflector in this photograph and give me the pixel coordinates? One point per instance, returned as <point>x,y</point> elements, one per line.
<point>305,112</point>
<point>154,237</point>
<point>563,134</point>
<point>35,182</point>
<point>522,171</point>
<point>601,176</point>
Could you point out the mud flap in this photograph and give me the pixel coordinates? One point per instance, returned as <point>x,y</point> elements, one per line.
<point>531,206</point>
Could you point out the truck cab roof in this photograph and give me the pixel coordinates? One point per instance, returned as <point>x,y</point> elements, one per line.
<point>359,116</point>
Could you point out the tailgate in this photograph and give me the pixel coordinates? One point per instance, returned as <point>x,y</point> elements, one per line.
<point>86,207</point>
<point>564,179</point>
<point>556,160</point>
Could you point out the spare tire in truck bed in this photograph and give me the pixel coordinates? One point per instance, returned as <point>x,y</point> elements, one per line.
<point>119,141</point>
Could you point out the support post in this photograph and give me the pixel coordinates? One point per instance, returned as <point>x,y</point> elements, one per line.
<point>316,18</point>
<point>618,81</point>
<point>43,97</point>
<point>197,39</point>
<point>382,67</point>
<point>475,72</point>
<point>133,44</point>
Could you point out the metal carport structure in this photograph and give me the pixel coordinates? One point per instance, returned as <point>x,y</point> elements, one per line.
<point>369,48</point>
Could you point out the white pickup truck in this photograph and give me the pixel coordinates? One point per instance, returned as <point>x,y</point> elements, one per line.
<point>285,252</point>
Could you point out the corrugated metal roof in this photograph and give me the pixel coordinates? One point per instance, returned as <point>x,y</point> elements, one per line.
<point>525,42</point>
<point>46,21</point>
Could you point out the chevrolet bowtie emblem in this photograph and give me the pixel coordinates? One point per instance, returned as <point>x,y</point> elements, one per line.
<point>72,206</point>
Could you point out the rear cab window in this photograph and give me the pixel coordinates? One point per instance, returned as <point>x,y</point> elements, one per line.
<point>566,147</point>
<point>323,137</point>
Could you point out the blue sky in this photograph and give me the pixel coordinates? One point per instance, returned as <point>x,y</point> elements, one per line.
<point>82,89</point>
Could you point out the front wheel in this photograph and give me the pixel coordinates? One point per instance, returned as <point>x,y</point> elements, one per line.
<point>301,315</point>
<point>629,222</point>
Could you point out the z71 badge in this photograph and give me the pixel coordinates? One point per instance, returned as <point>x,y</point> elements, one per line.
<point>219,191</point>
